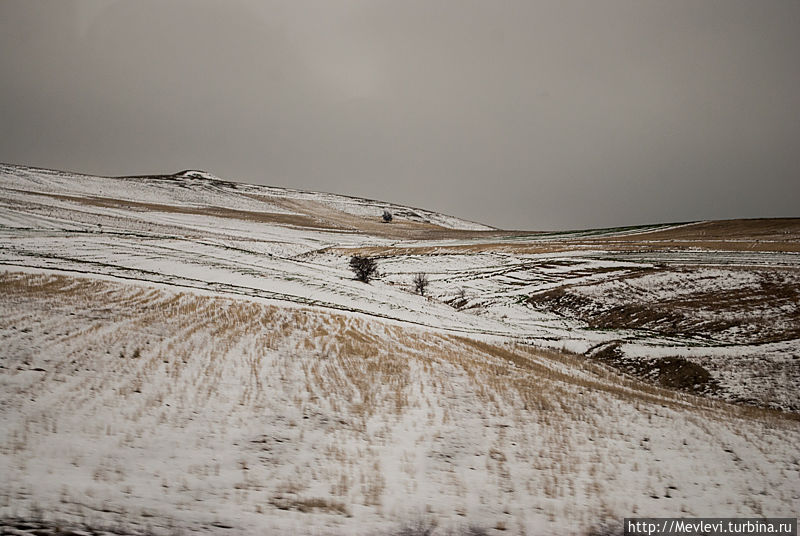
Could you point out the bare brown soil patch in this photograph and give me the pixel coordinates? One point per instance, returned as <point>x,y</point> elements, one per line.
<point>672,245</point>
<point>298,220</point>
<point>401,227</point>
<point>673,372</point>
<point>487,247</point>
<point>307,214</point>
<point>701,313</point>
<point>773,234</point>
<point>768,235</point>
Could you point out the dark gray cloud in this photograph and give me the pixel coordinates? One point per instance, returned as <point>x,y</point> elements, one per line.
<point>520,114</point>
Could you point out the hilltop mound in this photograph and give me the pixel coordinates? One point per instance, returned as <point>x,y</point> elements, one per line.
<point>199,192</point>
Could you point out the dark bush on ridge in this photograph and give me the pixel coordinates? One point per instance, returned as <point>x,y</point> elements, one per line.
<point>365,268</point>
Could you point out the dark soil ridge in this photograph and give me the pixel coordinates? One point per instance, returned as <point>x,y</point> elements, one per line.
<point>672,372</point>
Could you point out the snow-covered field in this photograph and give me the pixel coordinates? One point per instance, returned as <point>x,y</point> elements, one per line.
<point>187,354</point>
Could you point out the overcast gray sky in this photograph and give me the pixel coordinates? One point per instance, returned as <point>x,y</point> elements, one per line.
<point>519,114</point>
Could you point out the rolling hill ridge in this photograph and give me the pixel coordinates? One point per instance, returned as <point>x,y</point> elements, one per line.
<point>181,354</point>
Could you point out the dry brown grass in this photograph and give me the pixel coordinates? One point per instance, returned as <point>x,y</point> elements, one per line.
<point>19,284</point>
<point>340,390</point>
<point>309,504</point>
<point>358,360</point>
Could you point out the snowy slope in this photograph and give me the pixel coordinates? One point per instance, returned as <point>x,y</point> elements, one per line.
<point>553,289</point>
<point>159,411</point>
<point>201,189</point>
<point>183,353</point>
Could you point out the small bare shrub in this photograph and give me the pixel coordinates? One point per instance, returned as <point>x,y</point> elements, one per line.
<point>420,283</point>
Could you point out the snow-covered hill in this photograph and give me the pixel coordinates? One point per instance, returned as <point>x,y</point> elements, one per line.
<point>581,291</point>
<point>192,189</point>
<point>184,353</point>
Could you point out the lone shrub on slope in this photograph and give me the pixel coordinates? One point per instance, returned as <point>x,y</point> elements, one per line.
<point>420,283</point>
<point>365,268</point>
